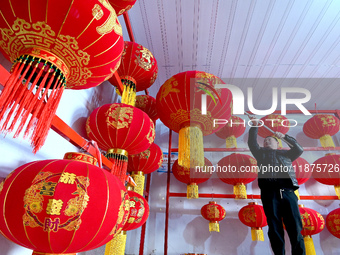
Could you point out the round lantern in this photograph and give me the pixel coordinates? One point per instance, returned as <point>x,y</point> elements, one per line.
<point>148,105</point>
<point>333,222</point>
<point>60,206</point>
<point>233,129</point>
<point>192,176</point>
<point>214,213</point>
<point>143,163</point>
<point>302,172</point>
<point>138,70</point>
<point>49,53</point>
<point>237,169</point>
<point>252,215</point>
<point>179,106</point>
<point>122,6</point>
<point>121,130</point>
<point>312,224</point>
<point>322,127</point>
<point>277,123</point>
<point>326,171</point>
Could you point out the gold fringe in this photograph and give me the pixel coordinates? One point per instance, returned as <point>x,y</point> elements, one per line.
<point>117,245</point>
<point>214,226</point>
<point>240,191</point>
<point>326,141</point>
<point>257,234</point>
<point>297,194</point>
<point>337,190</point>
<point>129,93</point>
<point>231,142</point>
<point>280,143</point>
<point>192,190</point>
<point>309,244</point>
<point>139,179</point>
<point>190,147</point>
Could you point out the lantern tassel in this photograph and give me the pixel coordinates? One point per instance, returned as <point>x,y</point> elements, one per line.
<point>326,141</point>
<point>257,234</point>
<point>309,245</point>
<point>129,92</point>
<point>337,190</point>
<point>119,158</point>
<point>214,226</point>
<point>192,191</point>
<point>139,179</point>
<point>297,194</point>
<point>231,142</point>
<point>240,191</point>
<point>117,245</point>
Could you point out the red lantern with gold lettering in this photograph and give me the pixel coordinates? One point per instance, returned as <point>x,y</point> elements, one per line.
<point>148,105</point>
<point>252,215</point>
<point>122,6</point>
<point>213,212</point>
<point>333,222</point>
<point>61,206</point>
<point>233,129</point>
<point>49,53</point>
<point>322,127</point>
<point>302,171</point>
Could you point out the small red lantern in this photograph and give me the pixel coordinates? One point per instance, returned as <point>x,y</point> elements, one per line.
<point>192,176</point>
<point>233,129</point>
<point>333,222</point>
<point>237,169</point>
<point>327,171</point>
<point>322,127</point>
<point>252,215</point>
<point>148,105</point>
<point>214,213</point>
<point>312,224</point>
<point>122,6</point>
<point>302,172</point>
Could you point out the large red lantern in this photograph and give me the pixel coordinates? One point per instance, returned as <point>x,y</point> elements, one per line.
<point>121,130</point>
<point>148,105</point>
<point>326,170</point>
<point>213,212</point>
<point>122,6</point>
<point>179,106</point>
<point>233,129</point>
<point>252,215</point>
<point>61,206</point>
<point>192,176</point>
<point>312,224</point>
<point>237,169</point>
<point>143,163</point>
<point>322,127</point>
<point>302,171</point>
<point>49,53</point>
<point>333,222</point>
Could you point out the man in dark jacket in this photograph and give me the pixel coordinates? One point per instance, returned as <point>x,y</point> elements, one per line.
<point>277,181</point>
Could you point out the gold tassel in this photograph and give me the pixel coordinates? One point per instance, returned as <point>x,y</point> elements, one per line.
<point>231,142</point>
<point>337,190</point>
<point>129,92</point>
<point>309,244</point>
<point>192,190</point>
<point>326,141</point>
<point>139,179</point>
<point>297,194</point>
<point>214,226</point>
<point>257,234</point>
<point>240,191</point>
<point>280,143</point>
<point>117,245</point>
<point>190,147</point>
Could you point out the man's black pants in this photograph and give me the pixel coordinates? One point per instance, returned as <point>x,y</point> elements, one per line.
<point>281,205</point>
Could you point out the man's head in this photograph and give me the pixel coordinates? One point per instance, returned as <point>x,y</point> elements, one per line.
<point>271,142</point>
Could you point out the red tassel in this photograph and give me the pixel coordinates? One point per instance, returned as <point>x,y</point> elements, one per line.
<point>119,167</point>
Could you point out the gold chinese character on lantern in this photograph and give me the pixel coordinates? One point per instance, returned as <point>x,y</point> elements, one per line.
<point>54,206</point>
<point>67,178</point>
<point>48,189</point>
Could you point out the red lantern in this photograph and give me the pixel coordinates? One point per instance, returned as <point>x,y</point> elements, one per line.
<point>233,129</point>
<point>326,171</point>
<point>333,222</point>
<point>277,123</point>
<point>120,130</point>
<point>252,215</point>
<point>60,206</point>
<point>122,6</point>
<point>145,162</point>
<point>302,172</point>
<point>50,53</point>
<point>148,105</point>
<point>237,169</point>
<point>312,224</point>
<point>214,213</point>
<point>322,127</point>
<point>192,176</point>
<point>179,108</point>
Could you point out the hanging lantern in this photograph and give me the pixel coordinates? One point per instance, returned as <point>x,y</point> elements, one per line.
<point>61,206</point>
<point>252,215</point>
<point>179,108</point>
<point>302,172</point>
<point>120,130</point>
<point>233,129</point>
<point>238,169</point>
<point>312,224</point>
<point>192,176</point>
<point>122,6</point>
<point>277,123</point>
<point>333,222</point>
<point>49,53</point>
<point>326,171</point>
<point>148,105</point>
<point>322,127</point>
<point>143,163</point>
<point>214,213</point>
<point>138,71</point>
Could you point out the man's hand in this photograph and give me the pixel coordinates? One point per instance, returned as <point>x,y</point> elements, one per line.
<point>254,120</point>
<point>279,135</point>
